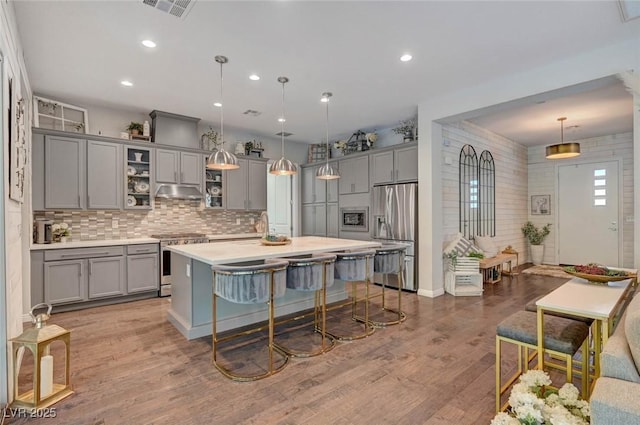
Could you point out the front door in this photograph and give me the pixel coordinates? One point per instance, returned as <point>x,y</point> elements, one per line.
<point>588,220</point>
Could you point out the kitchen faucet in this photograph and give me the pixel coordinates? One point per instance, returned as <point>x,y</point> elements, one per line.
<point>264,218</point>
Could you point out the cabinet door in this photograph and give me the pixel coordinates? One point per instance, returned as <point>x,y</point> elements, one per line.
<point>355,175</point>
<point>167,164</point>
<point>64,165</point>
<point>190,168</point>
<point>142,273</point>
<point>382,167</point>
<point>406,164</point>
<point>237,183</point>
<point>308,220</point>
<point>308,176</point>
<point>332,187</point>
<point>257,186</point>
<point>320,219</point>
<point>104,175</point>
<point>64,281</point>
<point>333,227</point>
<point>106,277</point>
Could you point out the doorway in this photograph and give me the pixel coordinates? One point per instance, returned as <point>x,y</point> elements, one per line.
<point>588,213</point>
<point>280,203</point>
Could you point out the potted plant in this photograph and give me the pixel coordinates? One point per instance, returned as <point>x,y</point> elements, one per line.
<point>535,237</point>
<point>135,128</point>
<point>407,128</point>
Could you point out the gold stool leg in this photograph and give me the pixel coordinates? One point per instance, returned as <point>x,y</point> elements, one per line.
<point>401,315</point>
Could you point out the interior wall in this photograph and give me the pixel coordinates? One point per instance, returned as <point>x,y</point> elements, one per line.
<point>543,181</point>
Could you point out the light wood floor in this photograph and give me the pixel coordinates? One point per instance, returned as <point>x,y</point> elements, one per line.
<point>131,366</point>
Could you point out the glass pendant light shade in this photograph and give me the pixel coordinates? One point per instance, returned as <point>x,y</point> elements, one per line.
<point>327,172</point>
<point>562,150</point>
<point>283,167</point>
<point>221,159</point>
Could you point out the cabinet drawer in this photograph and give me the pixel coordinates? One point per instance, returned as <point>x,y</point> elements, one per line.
<point>74,253</point>
<point>147,248</point>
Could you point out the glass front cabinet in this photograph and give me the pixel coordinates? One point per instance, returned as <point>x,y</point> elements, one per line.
<point>138,170</point>
<point>214,187</point>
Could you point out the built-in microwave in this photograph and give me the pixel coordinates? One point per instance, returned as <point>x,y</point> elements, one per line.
<point>354,219</point>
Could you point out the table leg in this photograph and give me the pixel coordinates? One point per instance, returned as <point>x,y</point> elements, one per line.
<point>599,330</point>
<point>540,328</point>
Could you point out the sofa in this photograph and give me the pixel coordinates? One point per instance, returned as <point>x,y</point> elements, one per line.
<point>616,396</point>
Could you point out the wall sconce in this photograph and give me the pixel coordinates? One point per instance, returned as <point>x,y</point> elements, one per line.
<point>44,392</point>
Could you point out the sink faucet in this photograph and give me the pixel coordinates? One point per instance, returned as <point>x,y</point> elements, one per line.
<point>264,218</point>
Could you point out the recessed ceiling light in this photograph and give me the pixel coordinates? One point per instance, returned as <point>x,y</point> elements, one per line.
<point>406,57</point>
<point>281,120</point>
<point>254,77</point>
<point>148,43</point>
<point>218,104</point>
<point>126,83</point>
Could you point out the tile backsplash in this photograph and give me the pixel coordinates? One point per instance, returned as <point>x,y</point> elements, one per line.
<point>168,216</point>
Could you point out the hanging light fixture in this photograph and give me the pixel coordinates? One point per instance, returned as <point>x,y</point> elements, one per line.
<point>283,167</point>
<point>562,150</point>
<point>221,159</point>
<point>327,172</point>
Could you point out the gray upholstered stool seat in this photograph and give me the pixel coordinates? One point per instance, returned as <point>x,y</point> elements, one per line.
<point>312,274</point>
<point>531,306</point>
<point>389,260</point>
<point>562,339</point>
<point>356,266</point>
<point>249,283</point>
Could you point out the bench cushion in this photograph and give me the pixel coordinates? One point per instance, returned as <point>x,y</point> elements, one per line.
<point>531,306</point>
<point>562,335</point>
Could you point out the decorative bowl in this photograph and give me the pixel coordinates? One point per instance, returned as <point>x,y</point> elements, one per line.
<point>131,170</point>
<point>142,187</point>
<point>275,240</point>
<point>597,278</point>
<point>131,201</point>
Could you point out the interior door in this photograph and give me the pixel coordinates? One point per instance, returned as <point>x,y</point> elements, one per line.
<point>279,204</point>
<point>588,217</point>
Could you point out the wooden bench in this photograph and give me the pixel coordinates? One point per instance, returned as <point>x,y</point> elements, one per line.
<point>492,267</point>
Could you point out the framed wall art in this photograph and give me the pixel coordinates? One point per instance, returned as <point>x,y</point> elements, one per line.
<point>540,204</point>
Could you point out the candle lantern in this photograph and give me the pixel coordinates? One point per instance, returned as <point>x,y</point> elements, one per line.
<point>44,392</point>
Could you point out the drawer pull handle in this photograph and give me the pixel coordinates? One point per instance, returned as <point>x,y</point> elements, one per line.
<point>83,255</point>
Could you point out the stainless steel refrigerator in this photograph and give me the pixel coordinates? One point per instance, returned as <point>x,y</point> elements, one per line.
<point>395,219</point>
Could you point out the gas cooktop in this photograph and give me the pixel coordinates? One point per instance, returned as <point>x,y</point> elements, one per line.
<point>164,236</point>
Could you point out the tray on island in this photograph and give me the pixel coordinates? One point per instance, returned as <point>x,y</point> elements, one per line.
<point>275,243</point>
<point>598,278</point>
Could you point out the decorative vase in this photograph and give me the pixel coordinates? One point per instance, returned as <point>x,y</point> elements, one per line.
<point>135,132</point>
<point>537,253</point>
<point>63,239</point>
<point>138,156</point>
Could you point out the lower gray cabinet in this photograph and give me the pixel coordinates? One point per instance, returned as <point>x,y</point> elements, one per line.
<point>106,277</point>
<point>314,220</point>
<point>142,273</point>
<point>64,281</point>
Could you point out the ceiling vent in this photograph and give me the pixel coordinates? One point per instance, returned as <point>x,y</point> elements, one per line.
<point>252,113</point>
<point>177,8</point>
<point>285,134</point>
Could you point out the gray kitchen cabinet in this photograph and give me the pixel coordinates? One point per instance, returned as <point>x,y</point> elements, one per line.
<point>138,187</point>
<point>246,187</point>
<point>354,175</point>
<point>104,175</point>
<point>332,187</point>
<point>178,167</point>
<point>406,164</point>
<point>106,277</point>
<point>64,173</point>
<point>313,190</point>
<point>333,220</point>
<point>382,170</point>
<point>65,281</point>
<point>143,273</point>
<point>314,220</point>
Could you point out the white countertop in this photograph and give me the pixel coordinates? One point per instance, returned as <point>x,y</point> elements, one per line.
<point>235,236</point>
<point>230,252</point>
<point>92,243</point>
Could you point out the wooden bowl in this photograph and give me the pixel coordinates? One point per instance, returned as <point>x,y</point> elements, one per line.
<point>275,243</point>
<point>598,278</point>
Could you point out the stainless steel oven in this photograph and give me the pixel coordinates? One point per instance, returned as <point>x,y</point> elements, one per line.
<point>354,219</point>
<point>166,240</point>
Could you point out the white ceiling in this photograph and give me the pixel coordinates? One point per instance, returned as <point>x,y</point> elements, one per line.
<point>79,51</point>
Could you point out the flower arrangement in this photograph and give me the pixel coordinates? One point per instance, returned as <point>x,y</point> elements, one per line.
<point>60,231</point>
<point>533,234</point>
<point>340,145</point>
<point>135,128</point>
<point>406,127</point>
<point>533,403</point>
<point>209,140</point>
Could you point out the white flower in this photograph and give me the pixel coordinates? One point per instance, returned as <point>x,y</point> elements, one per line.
<point>503,418</point>
<point>64,226</point>
<point>535,378</point>
<point>568,393</point>
<point>56,227</point>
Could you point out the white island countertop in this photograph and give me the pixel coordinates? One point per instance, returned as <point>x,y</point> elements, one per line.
<point>237,251</point>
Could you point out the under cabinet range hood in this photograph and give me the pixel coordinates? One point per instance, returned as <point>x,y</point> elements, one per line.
<point>178,191</point>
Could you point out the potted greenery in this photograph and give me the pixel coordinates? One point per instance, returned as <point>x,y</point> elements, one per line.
<point>135,128</point>
<point>535,237</point>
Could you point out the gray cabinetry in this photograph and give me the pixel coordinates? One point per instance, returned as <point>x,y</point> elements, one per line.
<point>64,173</point>
<point>257,190</point>
<point>178,167</point>
<point>354,175</point>
<point>394,166</point>
<point>406,164</point>
<point>314,220</point>
<point>139,188</point>
<point>246,187</point>
<point>214,187</point>
<point>106,277</point>
<point>104,175</point>
<point>382,168</point>
<point>65,281</point>
<point>313,190</point>
<point>333,223</point>
<point>142,268</point>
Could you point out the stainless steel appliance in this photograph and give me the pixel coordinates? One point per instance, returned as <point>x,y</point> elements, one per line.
<point>395,219</point>
<point>43,231</point>
<point>354,219</point>
<point>167,239</point>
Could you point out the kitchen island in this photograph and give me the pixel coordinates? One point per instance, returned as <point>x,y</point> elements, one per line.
<point>192,285</point>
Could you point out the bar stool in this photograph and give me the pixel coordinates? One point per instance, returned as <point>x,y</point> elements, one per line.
<point>251,283</point>
<point>563,338</point>
<point>354,267</point>
<point>389,259</point>
<point>308,274</point>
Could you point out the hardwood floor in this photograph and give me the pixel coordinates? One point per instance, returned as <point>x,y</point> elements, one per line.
<point>129,365</point>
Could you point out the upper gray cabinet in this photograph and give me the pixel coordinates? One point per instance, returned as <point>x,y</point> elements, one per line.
<point>178,167</point>
<point>64,173</point>
<point>246,187</point>
<point>354,175</point>
<point>394,166</point>
<point>313,189</point>
<point>104,175</point>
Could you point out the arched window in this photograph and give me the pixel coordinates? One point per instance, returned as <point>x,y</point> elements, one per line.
<point>469,192</point>
<point>487,192</point>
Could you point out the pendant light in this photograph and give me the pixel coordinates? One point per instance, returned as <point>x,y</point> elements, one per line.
<point>221,159</point>
<point>327,172</point>
<point>563,150</point>
<point>283,167</point>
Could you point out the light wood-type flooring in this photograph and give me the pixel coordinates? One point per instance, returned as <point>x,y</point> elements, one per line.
<point>129,365</point>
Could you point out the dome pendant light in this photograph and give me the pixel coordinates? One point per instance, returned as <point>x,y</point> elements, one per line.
<point>327,172</point>
<point>283,167</point>
<point>563,150</point>
<point>221,159</point>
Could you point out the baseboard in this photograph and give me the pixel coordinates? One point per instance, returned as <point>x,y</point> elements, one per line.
<point>430,293</point>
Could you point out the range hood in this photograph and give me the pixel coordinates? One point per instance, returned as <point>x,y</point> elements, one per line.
<point>178,191</point>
